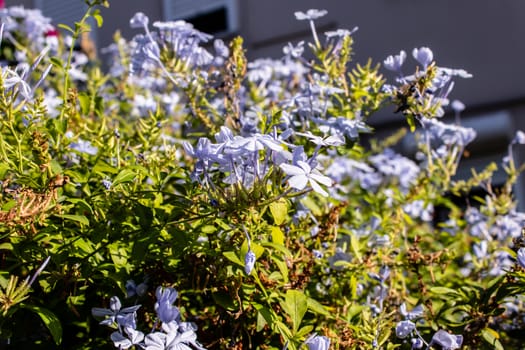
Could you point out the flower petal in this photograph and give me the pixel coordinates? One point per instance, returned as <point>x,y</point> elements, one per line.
<point>298,181</point>
<point>291,169</point>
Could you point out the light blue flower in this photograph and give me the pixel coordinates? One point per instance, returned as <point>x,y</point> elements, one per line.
<point>134,337</point>
<point>310,15</point>
<point>446,340</point>
<point>107,184</point>
<point>249,262</point>
<point>123,317</point>
<point>417,343</point>
<point>404,329</point>
<point>173,337</point>
<point>411,315</point>
<point>519,138</point>
<point>423,55</point>
<point>164,307</point>
<point>521,257</point>
<point>13,79</point>
<point>418,209</point>
<point>133,289</point>
<point>318,342</point>
<point>395,62</point>
<point>294,51</point>
<point>303,174</point>
<point>335,140</point>
<point>457,106</point>
<point>139,20</point>
<point>83,146</point>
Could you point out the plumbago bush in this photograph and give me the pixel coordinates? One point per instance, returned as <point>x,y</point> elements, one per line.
<point>190,199</point>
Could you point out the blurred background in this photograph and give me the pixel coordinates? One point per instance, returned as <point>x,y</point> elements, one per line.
<point>484,37</point>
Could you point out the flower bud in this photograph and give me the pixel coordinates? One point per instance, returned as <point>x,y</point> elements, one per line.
<point>249,262</point>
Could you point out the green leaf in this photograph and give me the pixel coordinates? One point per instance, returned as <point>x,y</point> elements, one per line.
<point>317,307</point>
<point>264,317</point>
<point>119,255</point>
<point>411,122</point>
<point>232,256</point>
<point>283,329</point>
<point>50,320</point>
<point>304,331</point>
<point>444,292</point>
<point>225,300</point>
<point>55,166</point>
<point>82,205</point>
<point>57,62</point>
<point>103,168</point>
<point>277,235</point>
<point>85,102</point>
<point>4,167</point>
<point>208,229</point>
<point>6,246</point>
<point>278,247</point>
<point>279,211</point>
<point>78,218</point>
<point>295,305</point>
<point>99,105</point>
<point>125,175</point>
<point>261,322</point>
<point>491,337</point>
<point>66,27</point>
<point>85,245</point>
<point>98,17</point>
<point>283,268</point>
<point>354,243</point>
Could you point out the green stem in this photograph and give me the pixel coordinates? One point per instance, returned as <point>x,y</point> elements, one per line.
<point>76,34</point>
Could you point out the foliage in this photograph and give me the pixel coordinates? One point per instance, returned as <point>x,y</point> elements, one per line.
<point>242,198</point>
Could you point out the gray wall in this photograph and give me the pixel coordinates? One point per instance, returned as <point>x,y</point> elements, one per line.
<point>485,37</point>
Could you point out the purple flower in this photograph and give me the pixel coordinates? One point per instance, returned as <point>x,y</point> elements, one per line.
<point>124,317</point>
<point>302,174</point>
<point>310,14</point>
<point>174,336</point>
<point>164,305</point>
<point>134,337</point>
<point>521,257</point>
<point>106,183</point>
<point>410,315</point>
<point>133,289</point>
<point>394,63</point>
<point>423,55</point>
<point>457,106</point>
<point>446,340</point>
<point>84,147</point>
<point>139,20</point>
<point>519,138</point>
<point>249,262</point>
<point>318,342</point>
<point>418,209</point>
<point>417,343</point>
<point>335,140</point>
<point>294,51</point>
<point>404,328</point>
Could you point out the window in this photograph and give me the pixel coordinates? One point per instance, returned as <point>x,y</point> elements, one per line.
<point>209,16</point>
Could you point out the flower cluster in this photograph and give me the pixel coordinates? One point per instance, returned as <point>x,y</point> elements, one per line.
<point>255,188</point>
<point>169,332</point>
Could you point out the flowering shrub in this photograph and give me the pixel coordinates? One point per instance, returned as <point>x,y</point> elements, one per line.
<point>238,204</point>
